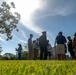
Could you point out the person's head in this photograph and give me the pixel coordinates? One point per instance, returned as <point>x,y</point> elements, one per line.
<point>48,41</point>
<point>68,37</point>
<point>19,45</point>
<point>31,35</point>
<point>34,41</point>
<point>44,33</point>
<point>60,33</point>
<point>74,34</point>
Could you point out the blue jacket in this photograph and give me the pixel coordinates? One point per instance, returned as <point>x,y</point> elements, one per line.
<point>19,49</point>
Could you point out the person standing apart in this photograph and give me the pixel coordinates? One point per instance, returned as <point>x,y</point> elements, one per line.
<point>70,47</point>
<point>19,51</point>
<point>74,44</point>
<point>60,41</point>
<point>43,46</point>
<point>30,47</point>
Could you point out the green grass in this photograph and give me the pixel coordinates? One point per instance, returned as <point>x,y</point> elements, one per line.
<point>49,67</point>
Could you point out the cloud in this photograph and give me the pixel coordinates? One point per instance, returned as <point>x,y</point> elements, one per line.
<point>55,7</point>
<point>30,25</point>
<point>18,38</point>
<point>3,40</point>
<point>23,41</point>
<point>24,34</point>
<point>26,13</point>
<point>3,1</point>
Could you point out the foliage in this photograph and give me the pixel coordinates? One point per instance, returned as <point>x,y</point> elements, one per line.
<point>0,50</point>
<point>38,67</point>
<point>7,56</point>
<point>0,57</point>
<point>8,20</point>
<point>24,54</point>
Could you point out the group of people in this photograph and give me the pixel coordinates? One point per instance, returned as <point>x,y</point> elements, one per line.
<point>72,46</point>
<point>44,48</point>
<point>41,47</point>
<point>38,47</point>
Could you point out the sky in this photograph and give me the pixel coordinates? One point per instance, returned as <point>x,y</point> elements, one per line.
<point>41,15</point>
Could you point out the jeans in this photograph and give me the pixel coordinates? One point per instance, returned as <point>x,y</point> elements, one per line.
<point>19,56</point>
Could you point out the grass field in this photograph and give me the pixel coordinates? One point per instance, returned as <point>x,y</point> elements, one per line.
<point>48,67</point>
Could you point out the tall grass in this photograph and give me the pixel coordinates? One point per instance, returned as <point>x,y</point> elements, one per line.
<point>46,67</point>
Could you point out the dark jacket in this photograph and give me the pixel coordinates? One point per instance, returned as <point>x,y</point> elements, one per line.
<point>43,42</point>
<point>70,47</point>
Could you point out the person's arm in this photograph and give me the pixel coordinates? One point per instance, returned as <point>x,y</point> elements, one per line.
<point>16,49</point>
<point>65,40</point>
<point>50,46</point>
<point>39,41</point>
<point>73,41</point>
<point>55,43</point>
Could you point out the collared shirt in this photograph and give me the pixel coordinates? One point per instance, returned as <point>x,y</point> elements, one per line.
<point>30,42</point>
<point>60,39</point>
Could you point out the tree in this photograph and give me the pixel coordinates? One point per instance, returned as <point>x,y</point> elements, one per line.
<point>24,55</point>
<point>25,47</point>
<point>8,19</point>
<point>9,56</point>
<point>0,57</point>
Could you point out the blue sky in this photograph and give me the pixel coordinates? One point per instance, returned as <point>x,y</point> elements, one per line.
<point>41,15</point>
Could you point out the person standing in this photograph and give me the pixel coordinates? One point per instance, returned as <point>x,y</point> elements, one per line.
<point>60,41</point>
<point>35,50</point>
<point>43,46</point>
<point>70,47</point>
<point>37,43</point>
<point>19,51</point>
<point>49,47</point>
<point>30,47</point>
<point>74,43</point>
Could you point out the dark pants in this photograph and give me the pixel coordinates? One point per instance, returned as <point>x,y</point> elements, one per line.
<point>43,55</point>
<point>19,56</point>
<point>48,53</point>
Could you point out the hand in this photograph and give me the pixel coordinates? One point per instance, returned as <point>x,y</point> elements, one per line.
<point>16,49</point>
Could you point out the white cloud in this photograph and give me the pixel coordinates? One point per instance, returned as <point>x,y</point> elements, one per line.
<point>26,8</point>
<point>24,34</point>
<point>23,41</point>
<point>18,39</point>
<point>3,40</point>
<point>29,25</point>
